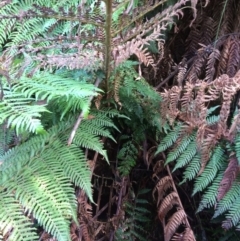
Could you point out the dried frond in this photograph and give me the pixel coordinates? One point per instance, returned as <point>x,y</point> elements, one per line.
<point>162,186</point>
<point>235,126</point>
<point>228,92</point>
<point>149,157</point>
<point>210,68</point>
<point>174,222</point>
<point>194,4</point>
<point>74,232</point>
<point>234,57</point>
<point>208,30</point>
<point>205,150</point>
<point>229,176</point>
<point>187,97</point>
<point>158,167</point>
<point>173,103</point>
<point>192,41</point>
<point>187,235</point>
<point>200,110</point>
<point>98,101</point>
<point>227,25</point>
<point>74,61</point>
<point>164,105</point>
<point>197,68</point>
<point>182,72</point>
<point>227,224</point>
<point>84,232</point>
<point>167,204</point>
<point>123,52</point>
<point>223,59</point>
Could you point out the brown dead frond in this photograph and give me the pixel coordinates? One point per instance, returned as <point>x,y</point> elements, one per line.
<point>229,176</point>
<point>173,223</point>
<point>161,187</point>
<point>187,235</point>
<point>167,204</point>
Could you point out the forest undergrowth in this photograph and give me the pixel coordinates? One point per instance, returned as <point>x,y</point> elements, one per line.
<point>120,120</point>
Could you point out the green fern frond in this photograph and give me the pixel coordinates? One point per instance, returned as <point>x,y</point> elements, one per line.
<point>47,86</point>
<point>75,168</point>
<point>45,193</point>
<point>104,118</point>
<point>39,173</point>
<point>213,119</point>
<point>9,210</point>
<point>23,113</point>
<point>138,99</point>
<point>209,198</point>
<point>178,150</point>
<point>229,199</point>
<point>186,156</point>
<point>137,215</point>
<point>6,137</point>
<point>170,139</point>
<point>212,109</point>
<point>233,214</point>
<point>237,146</point>
<point>19,113</point>
<point>128,156</point>
<point>192,169</point>
<point>90,141</point>
<point>216,161</point>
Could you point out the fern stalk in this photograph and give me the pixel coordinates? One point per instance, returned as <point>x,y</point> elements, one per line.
<point>108,40</point>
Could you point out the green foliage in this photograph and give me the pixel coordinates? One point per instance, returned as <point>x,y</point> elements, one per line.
<point>186,154</point>
<point>170,139</point>
<point>37,175</point>
<point>7,136</point>
<point>173,155</point>
<point>215,163</point>
<point>51,54</point>
<point>237,146</point>
<point>228,200</point>
<point>128,156</point>
<point>210,196</point>
<point>23,112</point>
<point>137,98</point>
<point>192,168</point>
<point>136,212</point>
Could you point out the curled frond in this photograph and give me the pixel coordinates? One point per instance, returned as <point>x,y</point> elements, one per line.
<point>173,223</point>
<point>167,204</point>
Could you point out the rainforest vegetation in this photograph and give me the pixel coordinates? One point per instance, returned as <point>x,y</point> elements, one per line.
<point>119,120</point>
